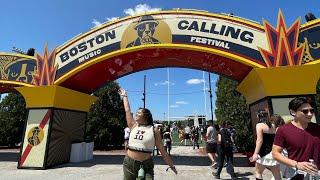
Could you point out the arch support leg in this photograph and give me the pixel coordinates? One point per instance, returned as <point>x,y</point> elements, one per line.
<point>56,119</point>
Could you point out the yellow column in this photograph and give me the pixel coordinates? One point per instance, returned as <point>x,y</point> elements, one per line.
<point>56,96</point>
<point>273,88</point>
<point>280,81</point>
<point>56,119</point>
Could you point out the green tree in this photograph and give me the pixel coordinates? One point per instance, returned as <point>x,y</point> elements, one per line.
<point>13,114</point>
<point>106,119</point>
<point>231,106</point>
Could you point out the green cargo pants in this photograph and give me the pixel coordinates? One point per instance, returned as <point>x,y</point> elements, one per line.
<point>131,168</point>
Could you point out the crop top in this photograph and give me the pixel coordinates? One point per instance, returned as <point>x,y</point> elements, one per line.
<point>142,138</point>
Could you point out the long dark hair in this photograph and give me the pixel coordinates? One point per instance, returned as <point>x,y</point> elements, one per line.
<point>147,116</point>
<point>277,120</point>
<point>263,117</point>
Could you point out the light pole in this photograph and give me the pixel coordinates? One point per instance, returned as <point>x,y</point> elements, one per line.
<point>210,92</point>
<point>144,92</point>
<point>30,51</point>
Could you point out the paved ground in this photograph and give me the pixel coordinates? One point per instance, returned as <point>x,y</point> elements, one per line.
<point>191,164</point>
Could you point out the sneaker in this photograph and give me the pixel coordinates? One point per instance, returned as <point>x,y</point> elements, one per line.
<point>234,177</point>
<point>216,176</point>
<point>213,164</point>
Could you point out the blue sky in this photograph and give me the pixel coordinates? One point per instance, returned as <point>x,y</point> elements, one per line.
<point>28,24</point>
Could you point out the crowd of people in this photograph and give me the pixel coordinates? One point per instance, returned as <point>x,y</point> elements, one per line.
<point>290,150</point>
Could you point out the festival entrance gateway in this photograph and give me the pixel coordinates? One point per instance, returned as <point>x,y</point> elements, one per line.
<point>57,86</point>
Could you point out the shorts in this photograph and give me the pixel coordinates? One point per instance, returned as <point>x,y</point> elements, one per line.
<point>187,136</point>
<point>167,142</point>
<point>211,147</point>
<point>131,168</point>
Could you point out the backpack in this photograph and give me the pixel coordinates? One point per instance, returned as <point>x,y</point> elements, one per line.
<point>226,142</point>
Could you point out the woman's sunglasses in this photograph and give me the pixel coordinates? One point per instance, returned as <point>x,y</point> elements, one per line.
<point>306,111</point>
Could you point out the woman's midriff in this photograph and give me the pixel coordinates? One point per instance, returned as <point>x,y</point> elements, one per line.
<point>140,156</point>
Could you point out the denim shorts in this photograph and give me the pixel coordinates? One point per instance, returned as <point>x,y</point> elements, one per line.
<point>131,168</point>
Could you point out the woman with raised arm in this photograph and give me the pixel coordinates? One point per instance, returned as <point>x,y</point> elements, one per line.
<point>143,138</point>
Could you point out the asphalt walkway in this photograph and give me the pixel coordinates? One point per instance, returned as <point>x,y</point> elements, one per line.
<point>191,164</point>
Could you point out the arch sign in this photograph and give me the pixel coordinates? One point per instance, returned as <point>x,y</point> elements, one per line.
<point>57,85</point>
<point>221,44</point>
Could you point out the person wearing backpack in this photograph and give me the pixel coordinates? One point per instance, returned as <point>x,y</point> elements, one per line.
<point>225,143</point>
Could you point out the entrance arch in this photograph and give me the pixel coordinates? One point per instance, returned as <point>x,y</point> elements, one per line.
<point>258,56</point>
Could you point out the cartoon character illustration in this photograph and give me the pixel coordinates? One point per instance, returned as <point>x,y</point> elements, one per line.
<point>20,70</point>
<point>34,139</point>
<point>145,29</point>
<point>312,46</point>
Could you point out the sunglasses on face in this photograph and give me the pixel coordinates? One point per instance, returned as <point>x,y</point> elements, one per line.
<point>306,111</point>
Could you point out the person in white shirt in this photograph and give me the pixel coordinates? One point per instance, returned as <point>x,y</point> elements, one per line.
<point>212,137</point>
<point>126,137</point>
<point>143,137</point>
<point>187,135</point>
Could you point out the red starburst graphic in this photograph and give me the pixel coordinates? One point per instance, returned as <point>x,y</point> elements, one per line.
<point>283,44</point>
<point>46,71</point>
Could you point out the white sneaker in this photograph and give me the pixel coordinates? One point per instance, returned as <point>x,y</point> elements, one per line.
<point>213,164</point>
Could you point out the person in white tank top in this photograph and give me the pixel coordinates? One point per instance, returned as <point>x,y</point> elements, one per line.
<point>143,138</point>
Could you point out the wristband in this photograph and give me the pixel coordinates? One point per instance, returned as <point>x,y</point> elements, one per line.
<point>296,165</point>
<point>122,96</point>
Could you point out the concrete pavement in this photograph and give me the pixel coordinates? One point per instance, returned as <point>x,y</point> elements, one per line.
<point>191,164</point>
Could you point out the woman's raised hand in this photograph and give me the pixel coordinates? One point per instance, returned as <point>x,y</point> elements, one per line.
<point>122,92</point>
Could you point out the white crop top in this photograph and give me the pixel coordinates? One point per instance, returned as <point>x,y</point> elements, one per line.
<point>142,138</point>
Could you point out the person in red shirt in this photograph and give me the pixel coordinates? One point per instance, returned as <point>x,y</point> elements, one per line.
<point>300,137</point>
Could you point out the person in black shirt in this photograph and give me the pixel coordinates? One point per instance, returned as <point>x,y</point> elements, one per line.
<point>167,139</point>
<point>225,143</point>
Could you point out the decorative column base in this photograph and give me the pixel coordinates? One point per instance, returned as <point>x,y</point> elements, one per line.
<point>56,119</point>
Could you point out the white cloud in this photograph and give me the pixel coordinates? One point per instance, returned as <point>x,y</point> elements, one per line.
<point>165,83</point>
<point>174,106</point>
<point>181,102</point>
<point>96,23</point>
<point>112,19</point>
<point>195,81</point>
<point>140,8</point>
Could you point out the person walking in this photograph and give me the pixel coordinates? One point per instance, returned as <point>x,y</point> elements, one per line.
<point>167,139</point>
<point>212,138</point>
<point>187,135</point>
<point>181,135</point>
<point>143,137</point>
<point>225,143</point>
<point>265,131</point>
<point>195,137</point>
<point>126,137</point>
<point>301,138</point>
<point>278,121</point>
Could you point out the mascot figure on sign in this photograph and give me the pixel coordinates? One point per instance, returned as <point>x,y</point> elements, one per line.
<point>145,29</point>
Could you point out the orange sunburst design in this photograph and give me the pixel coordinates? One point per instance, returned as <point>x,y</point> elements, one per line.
<point>283,44</point>
<point>46,71</point>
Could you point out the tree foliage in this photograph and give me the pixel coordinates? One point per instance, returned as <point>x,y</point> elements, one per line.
<point>13,114</point>
<point>106,119</point>
<point>231,106</point>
